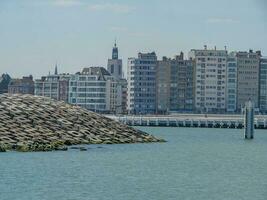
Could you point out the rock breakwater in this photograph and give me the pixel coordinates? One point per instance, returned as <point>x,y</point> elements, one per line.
<point>34,123</point>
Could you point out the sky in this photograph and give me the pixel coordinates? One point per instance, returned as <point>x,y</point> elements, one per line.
<point>37,34</point>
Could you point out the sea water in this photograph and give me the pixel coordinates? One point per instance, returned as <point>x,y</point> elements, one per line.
<point>195,163</point>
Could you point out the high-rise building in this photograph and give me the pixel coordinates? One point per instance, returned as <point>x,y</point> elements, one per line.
<point>263,85</point>
<point>210,79</point>
<point>115,64</point>
<point>231,91</point>
<point>141,77</point>
<point>163,81</point>
<point>182,85</point>
<point>21,86</point>
<point>175,88</point>
<point>248,64</point>
<point>95,89</point>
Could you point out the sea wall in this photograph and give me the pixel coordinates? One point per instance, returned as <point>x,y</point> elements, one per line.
<point>33,123</point>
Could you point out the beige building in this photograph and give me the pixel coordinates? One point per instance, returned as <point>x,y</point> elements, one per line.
<point>210,79</point>
<point>175,86</point>
<point>163,77</point>
<point>248,64</point>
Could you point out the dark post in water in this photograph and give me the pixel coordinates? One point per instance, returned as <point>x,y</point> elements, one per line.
<point>249,121</point>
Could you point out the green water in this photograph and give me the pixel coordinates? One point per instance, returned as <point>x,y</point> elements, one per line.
<point>193,164</point>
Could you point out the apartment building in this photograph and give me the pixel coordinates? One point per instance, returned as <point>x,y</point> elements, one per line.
<point>141,77</point>
<point>231,92</point>
<point>175,88</point>
<point>55,86</point>
<point>163,83</point>
<point>210,79</point>
<point>95,89</point>
<point>248,64</point>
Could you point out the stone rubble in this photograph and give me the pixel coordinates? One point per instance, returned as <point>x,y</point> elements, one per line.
<point>34,123</point>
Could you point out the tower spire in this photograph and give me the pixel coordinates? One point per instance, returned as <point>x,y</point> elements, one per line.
<point>56,69</point>
<point>115,51</point>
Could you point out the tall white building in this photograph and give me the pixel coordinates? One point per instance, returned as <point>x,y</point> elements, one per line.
<point>141,77</point>
<point>210,80</point>
<point>231,92</point>
<point>95,89</point>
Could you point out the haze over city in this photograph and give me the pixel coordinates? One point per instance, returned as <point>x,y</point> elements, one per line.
<point>35,35</point>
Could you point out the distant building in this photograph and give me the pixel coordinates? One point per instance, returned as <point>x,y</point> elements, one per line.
<point>21,86</point>
<point>163,85</point>
<point>248,64</point>
<point>182,85</point>
<point>115,69</point>
<point>210,80</point>
<point>55,86</point>
<point>175,88</point>
<point>4,82</point>
<point>231,91</point>
<point>95,89</point>
<point>115,64</point>
<point>141,77</point>
<point>263,85</point>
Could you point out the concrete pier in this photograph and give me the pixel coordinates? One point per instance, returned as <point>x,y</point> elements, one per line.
<point>191,120</point>
<point>249,121</point>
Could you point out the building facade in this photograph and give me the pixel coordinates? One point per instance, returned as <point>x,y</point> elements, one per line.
<point>175,88</point>
<point>210,80</point>
<point>231,92</point>
<point>263,85</point>
<point>95,89</point>
<point>141,77</point>
<point>182,85</point>
<point>21,86</point>
<point>53,86</point>
<point>163,81</point>
<point>248,64</point>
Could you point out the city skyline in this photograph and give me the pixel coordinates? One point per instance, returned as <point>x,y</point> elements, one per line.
<point>76,39</point>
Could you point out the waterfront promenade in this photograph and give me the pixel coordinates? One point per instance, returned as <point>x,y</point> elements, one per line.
<point>190,120</point>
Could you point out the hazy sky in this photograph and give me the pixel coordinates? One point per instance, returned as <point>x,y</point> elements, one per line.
<point>34,35</point>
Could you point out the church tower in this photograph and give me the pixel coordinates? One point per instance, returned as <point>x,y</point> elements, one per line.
<point>115,64</point>
<point>56,72</point>
<point>115,52</point>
